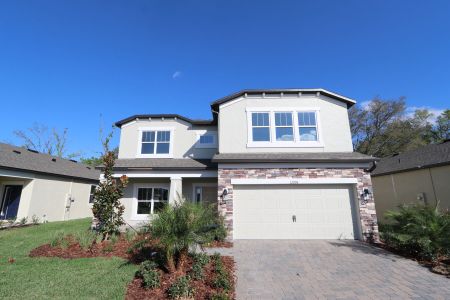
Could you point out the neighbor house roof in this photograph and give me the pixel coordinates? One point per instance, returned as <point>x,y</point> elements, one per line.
<point>17,158</point>
<point>329,94</point>
<point>164,116</point>
<point>164,164</point>
<point>293,157</point>
<point>424,157</point>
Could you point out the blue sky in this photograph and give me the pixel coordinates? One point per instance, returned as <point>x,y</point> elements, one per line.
<point>66,63</point>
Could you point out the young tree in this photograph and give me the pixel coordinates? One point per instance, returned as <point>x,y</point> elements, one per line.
<point>107,209</point>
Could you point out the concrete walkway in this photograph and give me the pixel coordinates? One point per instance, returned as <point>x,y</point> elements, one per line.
<point>306,269</point>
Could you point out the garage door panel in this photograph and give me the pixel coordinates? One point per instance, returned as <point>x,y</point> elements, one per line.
<point>266,212</point>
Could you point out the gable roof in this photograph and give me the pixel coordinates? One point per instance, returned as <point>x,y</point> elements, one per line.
<point>348,101</point>
<point>424,157</point>
<point>17,158</point>
<point>162,116</point>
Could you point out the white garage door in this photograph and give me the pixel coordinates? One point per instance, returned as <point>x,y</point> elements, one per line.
<point>293,212</point>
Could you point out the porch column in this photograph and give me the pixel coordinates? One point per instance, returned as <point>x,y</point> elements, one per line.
<point>176,189</point>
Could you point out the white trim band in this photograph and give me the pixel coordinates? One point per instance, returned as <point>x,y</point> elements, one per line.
<point>329,180</point>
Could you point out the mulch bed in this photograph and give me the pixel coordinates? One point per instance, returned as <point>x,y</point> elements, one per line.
<point>442,267</point>
<point>203,288</point>
<point>120,248</point>
<point>219,244</point>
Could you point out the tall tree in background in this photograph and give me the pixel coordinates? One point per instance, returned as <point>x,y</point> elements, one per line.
<point>95,161</point>
<point>383,127</point>
<point>40,138</point>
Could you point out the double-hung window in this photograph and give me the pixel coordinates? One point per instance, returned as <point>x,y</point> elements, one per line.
<point>260,126</point>
<point>151,200</point>
<point>284,130</point>
<point>307,126</point>
<point>155,142</point>
<point>283,127</point>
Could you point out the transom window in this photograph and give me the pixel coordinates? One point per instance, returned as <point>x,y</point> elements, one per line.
<point>283,128</point>
<point>206,140</point>
<point>151,200</point>
<point>260,126</point>
<point>155,142</point>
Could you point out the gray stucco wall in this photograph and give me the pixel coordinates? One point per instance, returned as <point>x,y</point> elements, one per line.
<point>334,123</point>
<point>184,138</point>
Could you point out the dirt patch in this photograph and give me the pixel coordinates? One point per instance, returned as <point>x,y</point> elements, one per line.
<point>203,288</point>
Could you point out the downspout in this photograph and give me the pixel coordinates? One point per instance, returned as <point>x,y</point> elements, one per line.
<point>434,189</point>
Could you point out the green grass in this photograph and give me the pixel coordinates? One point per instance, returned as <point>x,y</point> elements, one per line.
<point>44,278</point>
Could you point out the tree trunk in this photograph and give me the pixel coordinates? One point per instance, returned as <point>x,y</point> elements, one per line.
<point>182,259</point>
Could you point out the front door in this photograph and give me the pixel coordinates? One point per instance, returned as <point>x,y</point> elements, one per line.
<point>10,202</point>
<point>205,193</point>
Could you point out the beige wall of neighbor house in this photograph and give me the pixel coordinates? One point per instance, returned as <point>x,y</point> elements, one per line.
<point>183,140</point>
<point>392,190</point>
<point>333,122</point>
<point>47,197</point>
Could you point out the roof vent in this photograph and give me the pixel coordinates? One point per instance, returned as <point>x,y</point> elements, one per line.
<point>88,168</point>
<point>17,151</point>
<point>32,150</point>
<point>53,159</point>
<point>395,154</point>
<point>73,160</point>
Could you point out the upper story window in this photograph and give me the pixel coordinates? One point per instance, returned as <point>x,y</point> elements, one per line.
<point>155,142</point>
<point>283,127</point>
<point>207,139</point>
<point>260,126</point>
<point>307,126</point>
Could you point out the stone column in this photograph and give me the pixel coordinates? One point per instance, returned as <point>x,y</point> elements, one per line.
<point>176,189</point>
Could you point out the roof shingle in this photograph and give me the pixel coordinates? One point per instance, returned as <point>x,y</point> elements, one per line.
<point>294,157</point>
<point>18,158</point>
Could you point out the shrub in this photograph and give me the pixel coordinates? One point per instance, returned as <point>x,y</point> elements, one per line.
<point>222,281</point>
<point>418,230</point>
<point>114,238</point>
<point>11,221</point>
<point>181,288</point>
<point>86,238</point>
<point>150,276</point>
<point>201,258</point>
<point>130,234</point>
<point>219,231</point>
<point>200,261</point>
<point>179,227</point>
<point>35,219</point>
<point>23,221</point>
<point>220,296</point>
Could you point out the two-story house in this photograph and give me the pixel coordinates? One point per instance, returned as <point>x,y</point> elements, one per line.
<point>278,163</point>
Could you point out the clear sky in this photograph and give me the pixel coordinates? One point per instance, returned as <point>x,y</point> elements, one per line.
<point>65,63</point>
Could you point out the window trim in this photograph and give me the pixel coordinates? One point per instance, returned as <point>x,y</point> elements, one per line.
<point>136,187</point>
<point>206,146</point>
<point>91,195</point>
<point>283,144</point>
<point>155,155</point>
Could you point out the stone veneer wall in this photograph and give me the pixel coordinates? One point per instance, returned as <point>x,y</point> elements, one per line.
<point>366,209</point>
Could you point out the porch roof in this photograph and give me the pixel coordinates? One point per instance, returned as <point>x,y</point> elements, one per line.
<point>164,164</point>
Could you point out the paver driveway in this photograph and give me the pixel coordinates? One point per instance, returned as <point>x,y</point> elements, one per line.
<point>288,269</point>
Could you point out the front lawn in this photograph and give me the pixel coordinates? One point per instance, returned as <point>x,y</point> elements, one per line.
<point>44,278</point>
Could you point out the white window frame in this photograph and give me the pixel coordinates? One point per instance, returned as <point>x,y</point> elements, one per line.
<point>155,155</point>
<point>273,143</point>
<point>203,133</point>
<point>249,116</point>
<point>141,217</point>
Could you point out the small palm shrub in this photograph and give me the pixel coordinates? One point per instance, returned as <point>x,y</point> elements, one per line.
<point>181,288</point>
<point>418,230</point>
<point>180,227</point>
<point>149,274</point>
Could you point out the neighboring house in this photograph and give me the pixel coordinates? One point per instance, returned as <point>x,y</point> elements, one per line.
<point>418,176</point>
<point>278,163</point>
<point>51,188</point>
